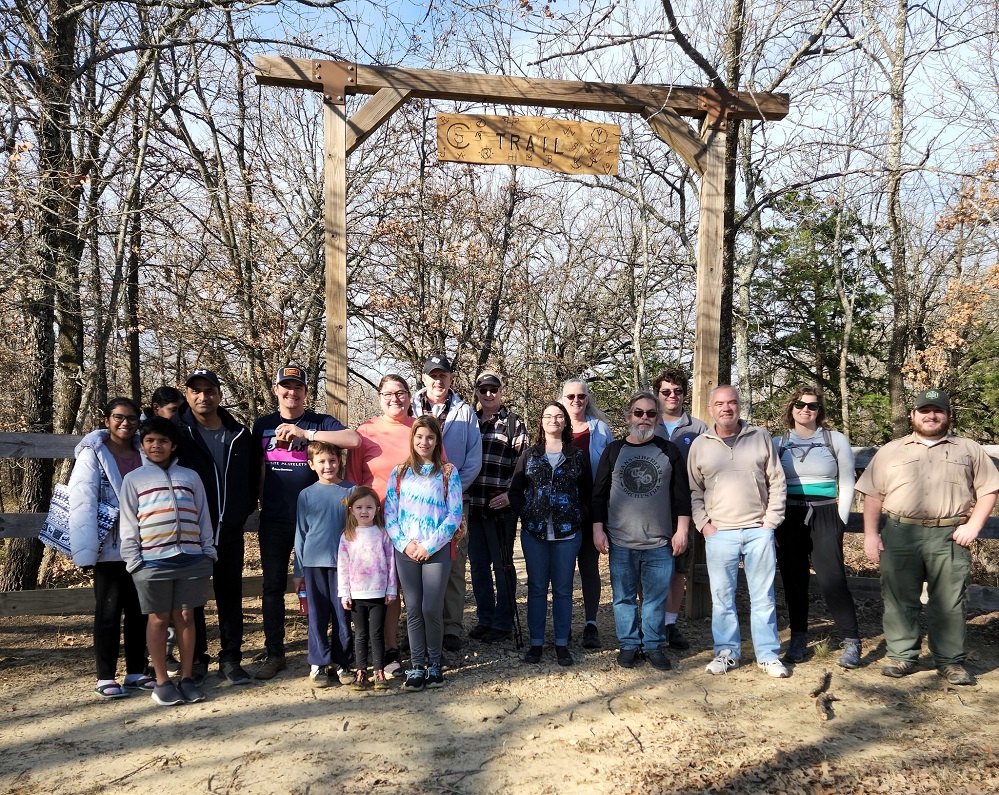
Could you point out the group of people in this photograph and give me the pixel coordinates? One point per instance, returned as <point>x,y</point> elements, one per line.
<point>391,511</point>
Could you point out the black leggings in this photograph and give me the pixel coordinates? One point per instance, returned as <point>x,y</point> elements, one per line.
<point>368,615</point>
<point>588,560</point>
<point>115,597</point>
<point>823,541</point>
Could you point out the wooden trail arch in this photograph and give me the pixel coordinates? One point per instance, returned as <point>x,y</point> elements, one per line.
<point>662,106</point>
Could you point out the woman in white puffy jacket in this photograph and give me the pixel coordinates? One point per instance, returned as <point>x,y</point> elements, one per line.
<point>103,458</point>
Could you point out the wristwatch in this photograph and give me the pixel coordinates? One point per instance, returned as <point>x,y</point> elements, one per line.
<point>312,436</point>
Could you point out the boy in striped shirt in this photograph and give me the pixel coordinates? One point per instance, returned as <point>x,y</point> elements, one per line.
<point>168,547</point>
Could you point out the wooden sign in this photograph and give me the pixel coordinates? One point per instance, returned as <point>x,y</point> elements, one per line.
<point>571,147</point>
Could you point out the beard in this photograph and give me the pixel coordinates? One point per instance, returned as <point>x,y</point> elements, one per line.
<point>937,433</point>
<point>642,434</point>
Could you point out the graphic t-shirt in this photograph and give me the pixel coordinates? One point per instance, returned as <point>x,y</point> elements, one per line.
<point>286,469</point>
<point>639,508</point>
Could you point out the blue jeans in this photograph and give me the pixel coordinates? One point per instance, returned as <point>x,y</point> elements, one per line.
<point>549,563</point>
<point>654,569</point>
<point>490,544</point>
<point>755,547</point>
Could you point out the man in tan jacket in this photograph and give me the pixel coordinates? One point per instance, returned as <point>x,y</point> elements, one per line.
<point>737,495</point>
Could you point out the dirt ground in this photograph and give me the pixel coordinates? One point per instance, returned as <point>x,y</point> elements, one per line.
<point>502,726</point>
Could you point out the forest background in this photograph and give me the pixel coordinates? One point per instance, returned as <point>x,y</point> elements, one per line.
<point>160,211</point>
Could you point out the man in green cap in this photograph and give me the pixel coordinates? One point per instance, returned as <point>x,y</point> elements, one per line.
<point>938,491</point>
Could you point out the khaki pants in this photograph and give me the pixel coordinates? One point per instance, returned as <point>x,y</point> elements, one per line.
<point>454,596</point>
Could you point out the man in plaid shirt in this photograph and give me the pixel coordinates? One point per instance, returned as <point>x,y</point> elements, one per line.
<point>491,524</point>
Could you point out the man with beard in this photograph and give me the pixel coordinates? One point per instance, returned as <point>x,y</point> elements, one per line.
<point>938,490</point>
<point>737,493</point>
<point>641,514</point>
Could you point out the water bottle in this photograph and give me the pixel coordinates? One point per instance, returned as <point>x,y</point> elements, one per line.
<point>303,603</point>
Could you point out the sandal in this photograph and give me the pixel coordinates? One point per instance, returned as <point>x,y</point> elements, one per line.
<point>142,683</point>
<point>111,690</point>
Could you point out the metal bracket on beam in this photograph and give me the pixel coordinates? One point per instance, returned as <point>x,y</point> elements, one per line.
<point>717,105</point>
<point>335,77</point>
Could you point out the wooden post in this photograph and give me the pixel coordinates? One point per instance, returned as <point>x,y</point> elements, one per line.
<point>710,250</point>
<point>335,246</point>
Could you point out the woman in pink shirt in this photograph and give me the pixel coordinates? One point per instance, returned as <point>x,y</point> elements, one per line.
<point>384,445</point>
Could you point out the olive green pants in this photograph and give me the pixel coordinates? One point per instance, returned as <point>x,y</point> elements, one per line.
<point>911,556</point>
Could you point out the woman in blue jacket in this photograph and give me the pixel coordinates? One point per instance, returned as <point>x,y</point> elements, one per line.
<point>551,492</point>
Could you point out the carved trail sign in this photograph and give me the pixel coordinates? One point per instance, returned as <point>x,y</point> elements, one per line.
<point>571,147</point>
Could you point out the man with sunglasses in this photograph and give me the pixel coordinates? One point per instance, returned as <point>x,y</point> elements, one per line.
<point>938,491</point>
<point>737,492</point>
<point>491,523</point>
<point>641,515</point>
<point>680,428</point>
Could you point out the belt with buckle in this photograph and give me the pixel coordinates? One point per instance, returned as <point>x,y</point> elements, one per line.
<point>950,521</point>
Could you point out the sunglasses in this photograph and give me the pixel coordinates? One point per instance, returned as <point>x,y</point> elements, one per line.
<point>122,419</point>
<point>574,397</point>
<point>668,392</point>
<point>801,404</point>
<point>488,390</point>
<point>651,414</point>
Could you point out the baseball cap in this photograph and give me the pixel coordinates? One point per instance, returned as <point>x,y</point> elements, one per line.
<point>932,397</point>
<point>201,372</point>
<point>437,362</point>
<point>291,373</point>
<point>488,378</point>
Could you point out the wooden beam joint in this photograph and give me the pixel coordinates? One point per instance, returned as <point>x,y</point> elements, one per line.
<point>718,107</point>
<point>335,77</point>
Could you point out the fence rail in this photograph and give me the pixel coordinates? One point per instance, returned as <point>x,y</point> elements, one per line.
<point>57,601</point>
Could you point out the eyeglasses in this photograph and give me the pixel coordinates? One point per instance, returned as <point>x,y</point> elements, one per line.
<point>571,398</point>
<point>400,396</point>
<point>668,392</point>
<point>651,414</point>
<point>122,419</point>
<point>553,417</point>
<point>489,390</point>
<point>801,404</point>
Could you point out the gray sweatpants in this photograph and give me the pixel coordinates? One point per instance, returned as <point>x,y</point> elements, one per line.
<point>423,585</point>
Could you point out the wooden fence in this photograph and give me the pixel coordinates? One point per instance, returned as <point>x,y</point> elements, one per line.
<point>59,601</point>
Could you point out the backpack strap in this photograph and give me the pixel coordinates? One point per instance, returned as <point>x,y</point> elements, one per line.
<point>785,442</point>
<point>828,437</point>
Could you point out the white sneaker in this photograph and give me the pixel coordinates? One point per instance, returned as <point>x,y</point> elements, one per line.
<point>774,668</point>
<point>722,663</point>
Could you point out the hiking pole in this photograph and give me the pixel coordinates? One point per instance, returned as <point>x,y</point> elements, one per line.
<point>506,551</point>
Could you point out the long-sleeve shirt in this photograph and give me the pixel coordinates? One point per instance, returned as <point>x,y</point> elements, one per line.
<point>366,565</point>
<point>384,445</point>
<point>416,509</point>
<point>321,516</point>
<point>814,469</point>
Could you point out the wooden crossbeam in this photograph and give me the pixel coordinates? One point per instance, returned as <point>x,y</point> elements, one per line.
<point>276,70</point>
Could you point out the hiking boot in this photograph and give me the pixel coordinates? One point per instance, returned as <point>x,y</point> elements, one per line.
<point>479,632</point>
<point>563,656</point>
<point>319,677</point>
<point>167,695</point>
<point>658,659</point>
<point>497,635</point>
<point>628,658</point>
<point>591,638</point>
<point>393,666</point>
<point>234,673</point>
<point>850,658</point>
<point>380,682</point>
<point>452,642</point>
<point>774,668</point>
<point>360,681</point>
<point>675,638</point>
<point>956,674</point>
<point>723,663</point>
<point>896,669</point>
<point>271,667</point>
<point>416,680</point>
<point>533,654</point>
<point>191,692</point>
<point>434,677</point>
<point>797,648</point>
